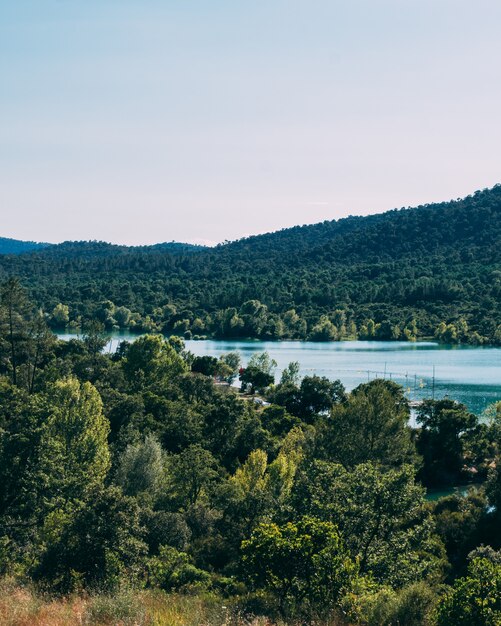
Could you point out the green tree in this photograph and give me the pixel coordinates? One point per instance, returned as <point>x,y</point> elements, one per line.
<point>191,474</point>
<point>141,469</point>
<point>151,359</point>
<point>74,455</point>
<point>372,425</point>
<point>173,569</point>
<point>448,333</point>
<point>290,375</point>
<point>259,372</point>
<point>475,600</point>
<point>303,563</point>
<point>445,426</point>
<point>259,488</point>
<point>231,361</point>
<point>15,313</point>
<point>100,545</point>
<point>122,316</point>
<point>381,514</point>
<point>324,330</point>
<point>317,395</point>
<point>61,315</point>
<point>206,365</point>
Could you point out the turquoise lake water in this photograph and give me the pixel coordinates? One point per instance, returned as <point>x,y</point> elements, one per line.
<point>468,374</point>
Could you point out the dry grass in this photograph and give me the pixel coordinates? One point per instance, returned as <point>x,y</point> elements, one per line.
<point>21,606</point>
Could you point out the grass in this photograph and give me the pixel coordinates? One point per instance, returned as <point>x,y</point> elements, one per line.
<point>23,606</point>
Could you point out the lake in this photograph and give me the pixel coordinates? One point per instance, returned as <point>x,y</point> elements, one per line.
<point>468,374</point>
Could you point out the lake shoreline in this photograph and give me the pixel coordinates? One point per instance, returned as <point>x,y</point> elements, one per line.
<point>468,374</point>
<point>133,333</point>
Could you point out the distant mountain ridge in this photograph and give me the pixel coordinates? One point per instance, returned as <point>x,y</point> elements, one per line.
<point>16,246</point>
<point>90,248</point>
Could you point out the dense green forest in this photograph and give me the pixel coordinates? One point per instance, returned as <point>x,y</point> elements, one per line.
<point>434,270</point>
<point>145,472</point>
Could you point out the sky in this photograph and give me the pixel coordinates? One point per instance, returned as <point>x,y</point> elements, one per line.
<point>207,120</point>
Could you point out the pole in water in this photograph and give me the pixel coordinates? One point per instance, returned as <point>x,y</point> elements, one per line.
<point>384,375</point>
<point>433,385</point>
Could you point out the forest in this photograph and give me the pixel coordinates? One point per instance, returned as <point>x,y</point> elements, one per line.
<point>429,272</point>
<point>141,487</point>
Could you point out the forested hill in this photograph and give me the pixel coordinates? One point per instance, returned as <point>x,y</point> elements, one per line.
<point>69,250</point>
<point>472,224</point>
<point>14,246</point>
<point>431,270</point>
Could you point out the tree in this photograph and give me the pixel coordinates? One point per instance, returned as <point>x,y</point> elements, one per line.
<point>100,545</point>
<point>324,330</point>
<point>317,395</point>
<point>448,333</point>
<point>232,362</point>
<point>290,375</point>
<point>15,313</point>
<point>41,344</point>
<point>303,563</point>
<point>122,316</point>
<point>255,316</point>
<point>61,315</point>
<point>206,365</point>
<point>259,489</point>
<point>173,569</point>
<point>445,425</point>
<point>191,473</point>
<point>93,337</point>
<point>21,424</point>
<point>141,468</point>
<point>151,359</point>
<point>259,371</point>
<point>372,425</point>
<point>460,524</point>
<point>277,420</point>
<point>74,455</point>
<point>475,600</point>
<point>381,514</point>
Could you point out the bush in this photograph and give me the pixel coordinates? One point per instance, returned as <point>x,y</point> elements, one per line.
<point>173,570</point>
<point>304,564</point>
<point>474,600</point>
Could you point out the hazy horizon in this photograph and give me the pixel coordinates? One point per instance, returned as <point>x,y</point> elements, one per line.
<point>138,123</point>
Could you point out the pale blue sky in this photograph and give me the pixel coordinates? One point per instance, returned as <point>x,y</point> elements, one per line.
<point>151,120</point>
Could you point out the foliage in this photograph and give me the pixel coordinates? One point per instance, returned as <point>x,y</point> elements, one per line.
<point>381,514</point>
<point>302,563</point>
<point>474,600</point>
<point>141,469</point>
<point>371,425</point>
<point>445,425</point>
<point>172,569</point>
<point>98,547</point>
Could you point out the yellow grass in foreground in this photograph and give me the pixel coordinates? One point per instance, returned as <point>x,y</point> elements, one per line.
<point>20,606</point>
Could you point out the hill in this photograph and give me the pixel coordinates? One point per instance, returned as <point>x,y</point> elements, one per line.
<point>400,274</point>
<point>15,246</point>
